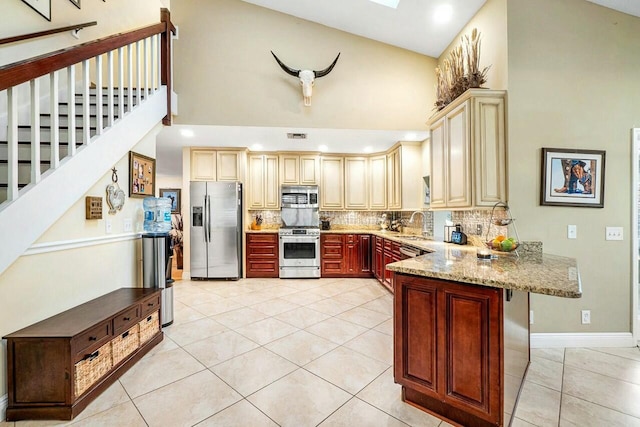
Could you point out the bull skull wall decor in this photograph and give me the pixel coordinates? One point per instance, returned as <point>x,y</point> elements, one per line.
<point>306,77</point>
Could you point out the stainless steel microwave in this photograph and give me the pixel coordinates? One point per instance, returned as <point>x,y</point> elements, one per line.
<point>299,196</point>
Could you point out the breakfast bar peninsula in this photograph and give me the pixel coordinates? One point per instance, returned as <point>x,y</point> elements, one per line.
<point>461,328</point>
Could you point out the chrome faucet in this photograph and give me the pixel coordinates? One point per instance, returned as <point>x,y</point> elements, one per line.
<point>424,221</point>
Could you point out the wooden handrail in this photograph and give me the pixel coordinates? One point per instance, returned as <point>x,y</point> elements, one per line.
<point>29,69</point>
<point>46,33</point>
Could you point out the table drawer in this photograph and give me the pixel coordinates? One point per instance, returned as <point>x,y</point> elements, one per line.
<point>92,338</point>
<point>150,304</point>
<point>124,320</point>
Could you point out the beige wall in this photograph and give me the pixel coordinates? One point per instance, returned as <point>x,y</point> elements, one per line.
<point>225,74</point>
<point>491,22</point>
<point>113,16</point>
<point>573,83</point>
<point>39,286</point>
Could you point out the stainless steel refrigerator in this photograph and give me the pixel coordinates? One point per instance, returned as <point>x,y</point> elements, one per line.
<point>216,230</point>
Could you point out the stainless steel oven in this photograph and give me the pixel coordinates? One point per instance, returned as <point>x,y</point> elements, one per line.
<point>299,252</point>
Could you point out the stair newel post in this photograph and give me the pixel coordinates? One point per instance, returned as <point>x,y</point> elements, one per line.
<point>120,82</point>
<point>165,17</point>
<point>138,72</point>
<point>86,103</point>
<point>12,138</point>
<point>55,120</point>
<point>98,95</point>
<point>130,75</point>
<point>71,110</point>
<point>110,88</point>
<point>35,131</point>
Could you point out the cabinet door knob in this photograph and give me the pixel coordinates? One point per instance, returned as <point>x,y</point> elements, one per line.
<point>150,304</point>
<point>127,318</point>
<point>93,338</point>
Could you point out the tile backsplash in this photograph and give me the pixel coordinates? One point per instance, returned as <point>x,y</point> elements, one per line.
<point>354,219</point>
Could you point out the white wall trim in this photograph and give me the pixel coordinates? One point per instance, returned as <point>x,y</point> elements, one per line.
<point>589,339</point>
<point>4,403</point>
<point>65,245</point>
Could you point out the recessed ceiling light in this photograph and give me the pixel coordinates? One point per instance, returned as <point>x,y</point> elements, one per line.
<point>257,147</point>
<point>323,148</point>
<point>389,3</point>
<point>443,14</point>
<point>367,149</point>
<point>187,133</point>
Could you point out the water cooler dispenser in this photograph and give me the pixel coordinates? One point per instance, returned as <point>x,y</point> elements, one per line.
<point>157,254</point>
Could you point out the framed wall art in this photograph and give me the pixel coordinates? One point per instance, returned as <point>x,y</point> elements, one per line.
<point>572,177</point>
<point>174,195</point>
<point>43,7</point>
<point>142,175</point>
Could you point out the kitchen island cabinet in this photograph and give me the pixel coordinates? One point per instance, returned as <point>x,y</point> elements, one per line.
<point>461,329</point>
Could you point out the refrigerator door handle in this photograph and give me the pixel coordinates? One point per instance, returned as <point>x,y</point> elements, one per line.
<point>208,232</point>
<point>206,218</point>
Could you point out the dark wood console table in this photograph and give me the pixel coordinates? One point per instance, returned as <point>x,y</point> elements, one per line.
<point>56,367</point>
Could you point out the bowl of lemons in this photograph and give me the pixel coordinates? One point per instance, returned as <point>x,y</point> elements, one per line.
<point>502,244</point>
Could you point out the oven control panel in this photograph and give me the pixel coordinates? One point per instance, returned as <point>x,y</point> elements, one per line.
<point>299,232</point>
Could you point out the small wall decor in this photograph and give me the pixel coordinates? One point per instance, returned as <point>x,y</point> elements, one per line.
<point>93,207</point>
<point>76,3</point>
<point>572,177</point>
<point>43,7</point>
<point>142,175</point>
<point>115,195</point>
<point>174,195</point>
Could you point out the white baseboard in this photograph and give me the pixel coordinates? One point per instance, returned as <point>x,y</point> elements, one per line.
<point>4,402</point>
<point>596,339</point>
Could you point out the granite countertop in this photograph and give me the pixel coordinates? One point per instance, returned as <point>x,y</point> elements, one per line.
<point>531,272</point>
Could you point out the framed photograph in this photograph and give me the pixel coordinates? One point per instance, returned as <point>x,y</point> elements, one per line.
<point>43,7</point>
<point>572,177</point>
<point>142,175</point>
<point>174,195</point>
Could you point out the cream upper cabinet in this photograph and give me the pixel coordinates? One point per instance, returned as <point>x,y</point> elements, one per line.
<point>229,166</point>
<point>394,189</point>
<point>262,177</point>
<point>331,183</point>
<point>356,183</point>
<point>378,182</point>
<point>203,165</point>
<point>309,170</point>
<point>468,151</point>
<point>217,165</point>
<point>299,169</point>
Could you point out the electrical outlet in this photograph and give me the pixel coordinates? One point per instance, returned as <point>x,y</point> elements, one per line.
<point>614,233</point>
<point>586,317</point>
<point>572,232</point>
<point>128,225</point>
<point>478,229</point>
<point>108,226</point>
<point>531,317</point>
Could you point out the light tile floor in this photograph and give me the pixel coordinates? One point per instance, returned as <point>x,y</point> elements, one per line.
<point>269,352</point>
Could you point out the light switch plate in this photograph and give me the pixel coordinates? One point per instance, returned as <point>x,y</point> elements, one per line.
<point>108,226</point>
<point>128,225</point>
<point>614,233</point>
<point>572,232</point>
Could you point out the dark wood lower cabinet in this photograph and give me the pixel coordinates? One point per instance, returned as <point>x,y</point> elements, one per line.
<point>56,367</point>
<point>262,255</point>
<point>449,352</point>
<point>345,255</point>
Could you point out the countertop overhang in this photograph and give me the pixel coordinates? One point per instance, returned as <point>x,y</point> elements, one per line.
<point>530,272</point>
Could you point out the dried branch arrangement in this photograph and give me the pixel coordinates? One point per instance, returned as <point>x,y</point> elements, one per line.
<point>460,71</point>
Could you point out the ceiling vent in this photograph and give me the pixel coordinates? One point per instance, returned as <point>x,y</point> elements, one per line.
<point>296,135</point>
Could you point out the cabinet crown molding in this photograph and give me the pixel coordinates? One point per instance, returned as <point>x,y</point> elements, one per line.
<point>470,93</point>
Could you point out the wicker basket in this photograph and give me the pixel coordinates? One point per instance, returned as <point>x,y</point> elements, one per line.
<point>93,367</point>
<point>149,326</point>
<point>124,344</point>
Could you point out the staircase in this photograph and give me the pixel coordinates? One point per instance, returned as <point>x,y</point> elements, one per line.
<point>65,126</point>
<point>55,144</point>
